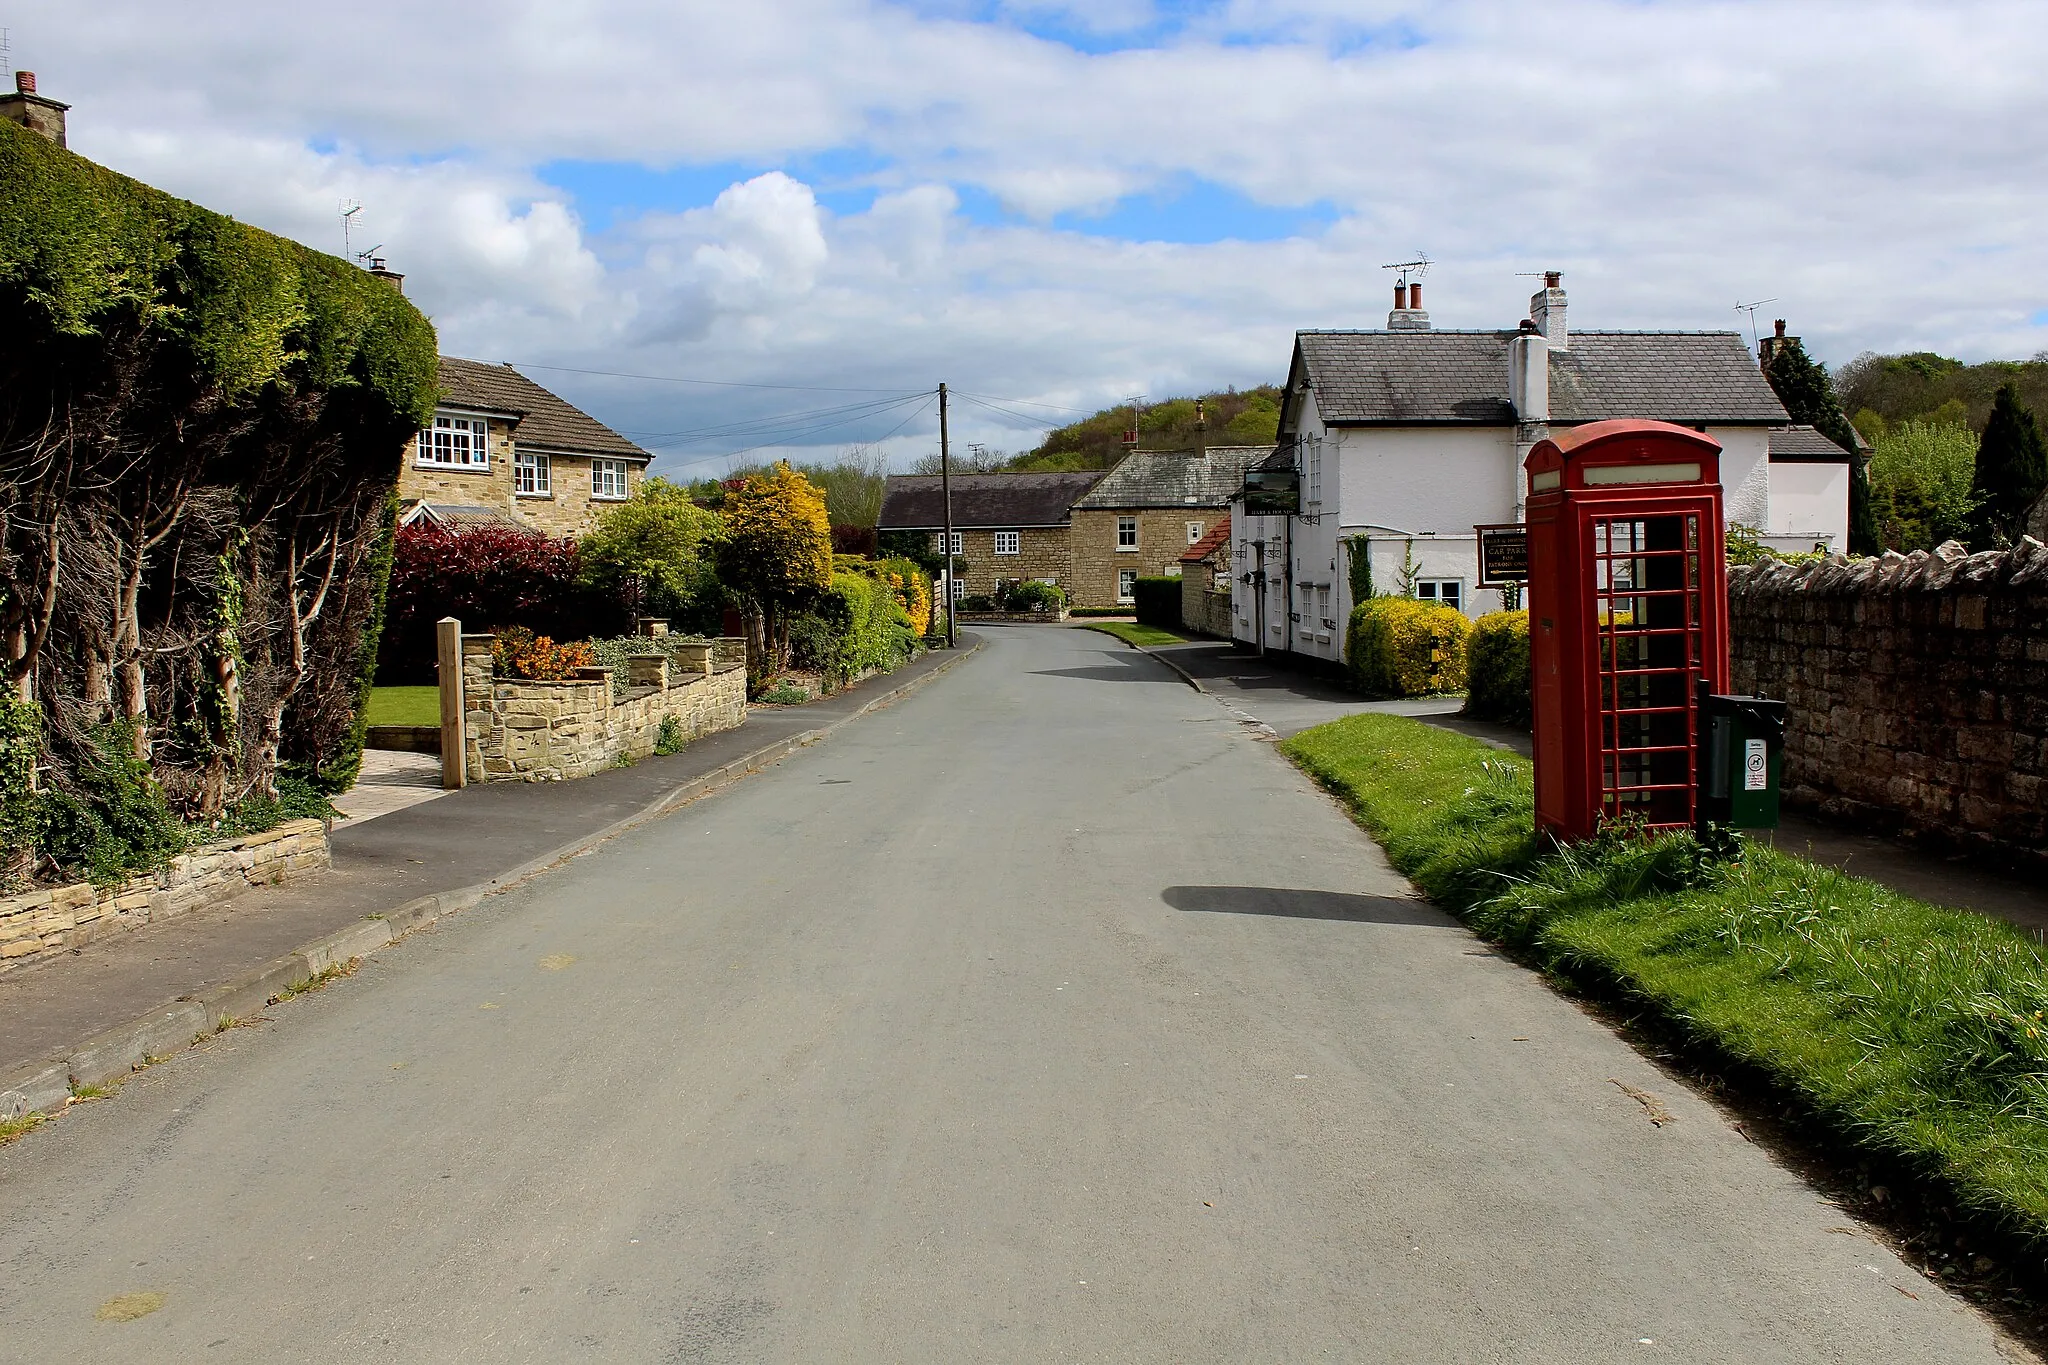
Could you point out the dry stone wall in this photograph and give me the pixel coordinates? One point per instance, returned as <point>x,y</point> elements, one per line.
<point>1917,687</point>
<point>1204,609</point>
<point>42,924</point>
<point>547,731</point>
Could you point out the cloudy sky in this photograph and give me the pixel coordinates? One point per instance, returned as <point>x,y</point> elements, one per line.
<point>1053,206</point>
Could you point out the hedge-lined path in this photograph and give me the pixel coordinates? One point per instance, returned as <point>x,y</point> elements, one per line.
<point>1047,1015</point>
<point>1290,701</point>
<point>456,840</point>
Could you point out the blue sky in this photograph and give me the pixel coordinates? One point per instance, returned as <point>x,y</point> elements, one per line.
<point>1066,203</point>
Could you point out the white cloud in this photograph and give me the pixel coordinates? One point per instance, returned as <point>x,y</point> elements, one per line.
<point>1874,164</point>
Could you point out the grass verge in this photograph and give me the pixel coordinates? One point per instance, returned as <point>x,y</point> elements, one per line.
<point>1131,633</point>
<point>1914,1034</point>
<point>405,706</point>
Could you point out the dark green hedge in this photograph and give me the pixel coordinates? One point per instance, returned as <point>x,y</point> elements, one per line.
<point>209,417</point>
<point>1158,602</point>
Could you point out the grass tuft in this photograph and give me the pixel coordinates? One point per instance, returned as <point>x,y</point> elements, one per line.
<point>10,1129</point>
<point>1912,1031</point>
<point>1132,633</point>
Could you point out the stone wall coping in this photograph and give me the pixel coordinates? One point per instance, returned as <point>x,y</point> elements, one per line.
<point>1948,567</point>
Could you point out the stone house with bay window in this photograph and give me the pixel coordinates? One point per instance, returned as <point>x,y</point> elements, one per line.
<point>500,449</point>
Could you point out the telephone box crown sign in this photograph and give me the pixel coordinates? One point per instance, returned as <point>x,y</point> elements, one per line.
<point>1624,452</point>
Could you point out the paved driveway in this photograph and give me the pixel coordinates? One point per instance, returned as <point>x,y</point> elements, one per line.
<point>1047,1015</point>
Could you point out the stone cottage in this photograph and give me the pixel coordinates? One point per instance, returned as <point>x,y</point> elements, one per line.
<point>1139,520</point>
<point>1006,527</point>
<point>501,449</point>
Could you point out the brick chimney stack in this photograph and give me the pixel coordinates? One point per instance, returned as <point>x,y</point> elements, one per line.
<point>1546,310</point>
<point>44,117</point>
<point>387,274</point>
<point>1408,315</point>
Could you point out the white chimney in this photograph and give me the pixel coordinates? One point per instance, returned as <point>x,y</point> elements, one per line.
<point>1546,310</point>
<point>1529,375</point>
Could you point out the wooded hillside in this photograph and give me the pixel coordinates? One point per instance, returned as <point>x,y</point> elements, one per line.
<point>1933,388</point>
<point>1234,417</point>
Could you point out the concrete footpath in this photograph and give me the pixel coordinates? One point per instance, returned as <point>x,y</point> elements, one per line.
<point>1288,702</point>
<point>145,992</point>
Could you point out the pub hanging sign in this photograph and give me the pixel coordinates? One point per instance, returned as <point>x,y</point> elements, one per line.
<point>1503,554</point>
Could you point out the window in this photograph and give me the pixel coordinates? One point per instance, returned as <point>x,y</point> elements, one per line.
<point>456,442</point>
<point>532,474</point>
<point>608,480</point>
<point>1009,542</point>
<point>959,586</point>
<point>1315,471</point>
<point>1449,591</point>
<point>1194,531</point>
<point>939,542</point>
<point>1126,584</point>
<point>1323,605</point>
<point>1127,533</point>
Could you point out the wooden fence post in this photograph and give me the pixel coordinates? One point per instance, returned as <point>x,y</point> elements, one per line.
<point>454,739</point>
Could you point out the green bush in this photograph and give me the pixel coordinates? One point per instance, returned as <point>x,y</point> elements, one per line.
<point>1034,596</point>
<point>1497,669</point>
<point>855,626</point>
<point>670,739</point>
<point>1400,647</point>
<point>976,601</point>
<point>1158,602</point>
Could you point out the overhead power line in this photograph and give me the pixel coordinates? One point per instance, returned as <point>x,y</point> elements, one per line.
<point>712,383</point>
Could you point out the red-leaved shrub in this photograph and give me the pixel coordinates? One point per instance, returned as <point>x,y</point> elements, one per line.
<point>488,577</point>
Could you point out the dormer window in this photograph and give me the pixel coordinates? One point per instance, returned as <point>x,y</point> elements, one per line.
<point>456,441</point>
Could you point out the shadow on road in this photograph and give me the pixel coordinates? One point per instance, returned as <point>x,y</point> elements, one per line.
<point>1120,673</point>
<point>1273,900</point>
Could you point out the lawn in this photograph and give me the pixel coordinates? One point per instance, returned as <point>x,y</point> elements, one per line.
<point>1131,633</point>
<point>1914,1032</point>
<point>405,706</point>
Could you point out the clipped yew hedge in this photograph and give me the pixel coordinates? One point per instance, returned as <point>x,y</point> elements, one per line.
<point>1497,669</point>
<point>1157,602</point>
<point>1401,647</point>
<point>200,429</point>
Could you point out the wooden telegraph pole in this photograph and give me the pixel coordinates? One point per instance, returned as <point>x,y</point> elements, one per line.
<point>946,489</point>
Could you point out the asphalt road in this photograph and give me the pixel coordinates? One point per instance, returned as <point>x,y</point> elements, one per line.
<point>1048,1015</point>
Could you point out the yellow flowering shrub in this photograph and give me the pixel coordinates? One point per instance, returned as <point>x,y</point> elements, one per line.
<point>1400,647</point>
<point>1497,666</point>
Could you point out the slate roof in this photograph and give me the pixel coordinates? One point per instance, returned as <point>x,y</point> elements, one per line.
<point>1176,478</point>
<point>545,420</point>
<point>1419,378</point>
<point>915,502</point>
<point>1805,445</point>
<point>460,516</point>
<point>1214,539</point>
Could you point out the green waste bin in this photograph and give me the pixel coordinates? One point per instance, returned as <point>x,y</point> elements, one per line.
<point>1742,746</point>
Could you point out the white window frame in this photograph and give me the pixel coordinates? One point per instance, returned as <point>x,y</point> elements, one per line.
<point>607,475</point>
<point>1314,461</point>
<point>1009,542</point>
<point>533,473</point>
<point>1432,590</point>
<point>1126,585</point>
<point>1127,526</point>
<point>455,440</point>
<point>939,542</point>
<point>958,586</point>
<point>1194,532</point>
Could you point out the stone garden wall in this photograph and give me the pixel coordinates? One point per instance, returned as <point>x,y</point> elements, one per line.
<point>1917,687</point>
<point>43,924</point>
<point>547,731</point>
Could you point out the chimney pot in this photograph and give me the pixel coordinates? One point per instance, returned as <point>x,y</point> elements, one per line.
<point>1415,295</point>
<point>1551,278</point>
<point>1400,296</point>
<point>1779,327</point>
<point>25,82</point>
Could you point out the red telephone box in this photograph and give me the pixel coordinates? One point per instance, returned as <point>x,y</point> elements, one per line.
<point>1628,612</point>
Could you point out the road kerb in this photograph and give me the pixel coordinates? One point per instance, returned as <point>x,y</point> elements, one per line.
<point>43,1087</point>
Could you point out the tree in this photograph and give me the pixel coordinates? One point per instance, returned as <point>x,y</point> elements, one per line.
<point>776,554</point>
<point>655,546</point>
<point>1803,386</point>
<point>2012,469</point>
<point>1921,474</point>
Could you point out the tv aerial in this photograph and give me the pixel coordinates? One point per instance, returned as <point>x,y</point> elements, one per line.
<point>1750,308</point>
<point>1411,270</point>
